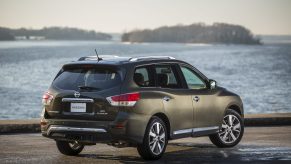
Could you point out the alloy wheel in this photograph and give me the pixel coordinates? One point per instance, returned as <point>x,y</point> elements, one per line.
<point>157,138</point>
<point>230,130</point>
<point>75,145</point>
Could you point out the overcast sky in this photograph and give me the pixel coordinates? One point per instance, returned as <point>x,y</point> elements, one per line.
<point>260,16</point>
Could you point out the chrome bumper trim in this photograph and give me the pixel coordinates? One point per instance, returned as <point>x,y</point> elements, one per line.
<point>77,100</point>
<point>73,129</point>
<point>54,111</point>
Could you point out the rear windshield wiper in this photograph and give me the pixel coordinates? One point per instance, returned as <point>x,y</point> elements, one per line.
<point>88,88</point>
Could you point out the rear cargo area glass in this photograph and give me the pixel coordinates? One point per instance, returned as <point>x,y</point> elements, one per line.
<point>98,78</point>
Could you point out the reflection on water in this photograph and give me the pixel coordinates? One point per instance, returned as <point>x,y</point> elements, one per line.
<point>261,75</point>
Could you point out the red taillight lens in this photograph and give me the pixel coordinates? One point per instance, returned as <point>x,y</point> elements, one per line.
<point>47,98</point>
<point>128,99</point>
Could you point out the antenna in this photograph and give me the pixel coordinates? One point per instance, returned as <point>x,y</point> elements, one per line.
<point>98,59</point>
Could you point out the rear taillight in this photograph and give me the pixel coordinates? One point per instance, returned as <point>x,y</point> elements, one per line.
<point>47,98</point>
<point>128,99</point>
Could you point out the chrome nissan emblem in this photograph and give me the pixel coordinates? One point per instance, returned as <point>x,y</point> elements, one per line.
<point>77,94</point>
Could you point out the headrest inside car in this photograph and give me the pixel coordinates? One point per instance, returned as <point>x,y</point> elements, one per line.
<point>163,79</point>
<point>138,78</point>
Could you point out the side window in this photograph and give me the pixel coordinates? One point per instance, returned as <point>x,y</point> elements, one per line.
<point>142,77</point>
<point>166,77</point>
<point>192,80</point>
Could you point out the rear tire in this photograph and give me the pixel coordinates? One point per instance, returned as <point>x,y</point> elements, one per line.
<point>231,131</point>
<point>69,148</point>
<point>155,140</point>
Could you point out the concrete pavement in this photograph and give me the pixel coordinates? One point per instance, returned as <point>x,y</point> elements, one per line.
<point>259,144</point>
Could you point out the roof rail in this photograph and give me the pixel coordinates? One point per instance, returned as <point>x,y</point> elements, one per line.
<point>150,58</point>
<point>95,57</point>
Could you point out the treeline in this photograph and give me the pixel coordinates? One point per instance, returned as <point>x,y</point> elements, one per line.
<point>53,33</point>
<point>5,34</point>
<point>194,33</point>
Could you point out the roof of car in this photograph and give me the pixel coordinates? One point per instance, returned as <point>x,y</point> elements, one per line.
<point>117,60</point>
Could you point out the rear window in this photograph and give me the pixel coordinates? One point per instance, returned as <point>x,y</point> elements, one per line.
<point>84,78</point>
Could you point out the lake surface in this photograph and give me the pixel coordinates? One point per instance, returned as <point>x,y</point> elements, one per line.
<point>261,75</point>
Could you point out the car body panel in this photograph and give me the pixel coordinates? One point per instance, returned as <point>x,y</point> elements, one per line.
<point>185,116</point>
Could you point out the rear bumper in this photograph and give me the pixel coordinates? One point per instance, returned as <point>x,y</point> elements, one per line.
<point>84,135</point>
<point>53,129</point>
<point>128,128</point>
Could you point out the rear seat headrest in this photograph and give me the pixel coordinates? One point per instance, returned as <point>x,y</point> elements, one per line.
<point>138,78</point>
<point>163,79</point>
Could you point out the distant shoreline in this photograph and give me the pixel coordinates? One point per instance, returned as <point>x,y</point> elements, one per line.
<point>265,39</point>
<point>54,33</point>
<point>217,33</point>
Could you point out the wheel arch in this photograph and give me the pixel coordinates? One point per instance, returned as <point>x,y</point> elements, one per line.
<point>236,107</point>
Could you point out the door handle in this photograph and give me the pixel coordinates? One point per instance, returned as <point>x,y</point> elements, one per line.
<point>196,98</point>
<point>166,98</point>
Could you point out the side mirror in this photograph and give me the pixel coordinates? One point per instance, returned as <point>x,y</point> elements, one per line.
<point>212,83</point>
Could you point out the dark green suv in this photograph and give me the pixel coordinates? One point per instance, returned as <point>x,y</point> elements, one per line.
<point>141,102</point>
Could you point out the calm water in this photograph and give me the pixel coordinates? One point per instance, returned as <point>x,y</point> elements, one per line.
<point>260,74</point>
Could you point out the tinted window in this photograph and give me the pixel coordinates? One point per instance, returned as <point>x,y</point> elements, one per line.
<point>142,77</point>
<point>100,79</point>
<point>166,77</point>
<point>192,80</point>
